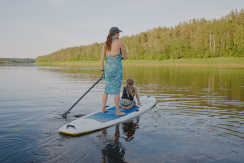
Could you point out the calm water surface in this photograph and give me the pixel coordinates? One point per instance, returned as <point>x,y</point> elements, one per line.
<point>199,116</point>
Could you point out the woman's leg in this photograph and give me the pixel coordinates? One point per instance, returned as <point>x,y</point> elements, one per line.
<point>104,100</point>
<point>116,100</point>
<point>116,134</point>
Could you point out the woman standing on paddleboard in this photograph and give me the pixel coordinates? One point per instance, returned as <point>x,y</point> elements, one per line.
<point>113,72</point>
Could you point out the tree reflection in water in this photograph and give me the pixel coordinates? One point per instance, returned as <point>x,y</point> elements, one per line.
<point>114,151</point>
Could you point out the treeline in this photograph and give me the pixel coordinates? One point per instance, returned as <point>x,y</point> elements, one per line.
<point>17,60</point>
<point>197,38</point>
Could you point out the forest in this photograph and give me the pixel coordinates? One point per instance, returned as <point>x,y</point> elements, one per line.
<point>17,60</point>
<point>196,38</point>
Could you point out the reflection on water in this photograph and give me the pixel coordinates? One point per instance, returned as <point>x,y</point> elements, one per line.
<point>129,129</point>
<point>199,115</point>
<point>114,151</point>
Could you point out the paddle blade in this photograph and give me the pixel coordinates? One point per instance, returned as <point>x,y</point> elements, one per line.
<point>65,115</point>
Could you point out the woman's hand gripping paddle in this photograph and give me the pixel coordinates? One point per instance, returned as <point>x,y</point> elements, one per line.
<point>66,113</point>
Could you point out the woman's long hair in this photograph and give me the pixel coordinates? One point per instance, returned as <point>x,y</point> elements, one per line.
<point>108,43</point>
<point>129,87</point>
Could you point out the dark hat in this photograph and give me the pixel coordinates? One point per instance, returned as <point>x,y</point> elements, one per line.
<point>114,30</point>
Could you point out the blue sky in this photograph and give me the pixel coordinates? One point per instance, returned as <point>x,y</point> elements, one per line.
<point>30,28</point>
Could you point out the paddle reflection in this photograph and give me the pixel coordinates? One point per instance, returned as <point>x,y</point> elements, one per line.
<point>114,151</point>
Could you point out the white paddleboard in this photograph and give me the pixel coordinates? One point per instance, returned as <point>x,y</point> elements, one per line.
<point>97,120</point>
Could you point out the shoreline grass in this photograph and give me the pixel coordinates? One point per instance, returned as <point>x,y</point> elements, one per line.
<point>220,62</point>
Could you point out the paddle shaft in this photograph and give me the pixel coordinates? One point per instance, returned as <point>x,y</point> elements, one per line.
<point>84,94</point>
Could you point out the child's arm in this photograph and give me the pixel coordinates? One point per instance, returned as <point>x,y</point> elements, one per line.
<point>137,97</point>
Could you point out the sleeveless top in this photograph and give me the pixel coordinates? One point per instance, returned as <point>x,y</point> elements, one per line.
<point>113,74</point>
<point>125,95</point>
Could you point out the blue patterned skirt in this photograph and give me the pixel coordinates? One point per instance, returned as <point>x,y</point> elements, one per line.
<point>113,75</point>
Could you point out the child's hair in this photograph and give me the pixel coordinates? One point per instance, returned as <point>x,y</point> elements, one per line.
<point>129,87</point>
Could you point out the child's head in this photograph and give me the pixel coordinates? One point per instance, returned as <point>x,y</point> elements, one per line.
<point>129,82</point>
<point>130,89</point>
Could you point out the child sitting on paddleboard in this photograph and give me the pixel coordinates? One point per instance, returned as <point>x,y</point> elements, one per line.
<point>127,99</point>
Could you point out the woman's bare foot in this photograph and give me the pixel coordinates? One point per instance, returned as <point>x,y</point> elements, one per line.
<point>120,113</point>
<point>104,110</point>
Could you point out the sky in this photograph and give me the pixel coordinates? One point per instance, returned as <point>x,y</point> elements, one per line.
<point>31,28</point>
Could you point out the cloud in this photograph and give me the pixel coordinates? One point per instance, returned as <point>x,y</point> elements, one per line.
<point>33,27</point>
<point>25,24</point>
<point>94,23</point>
<point>53,32</point>
<point>66,39</point>
<point>56,34</point>
<point>3,9</point>
<point>58,1</point>
<point>28,26</point>
<point>135,4</point>
<point>59,35</point>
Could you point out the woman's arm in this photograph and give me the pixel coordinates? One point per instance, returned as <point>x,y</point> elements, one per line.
<point>123,50</point>
<point>137,97</point>
<point>102,60</point>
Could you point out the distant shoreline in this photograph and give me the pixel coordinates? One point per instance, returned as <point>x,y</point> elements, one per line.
<point>17,60</point>
<point>219,62</point>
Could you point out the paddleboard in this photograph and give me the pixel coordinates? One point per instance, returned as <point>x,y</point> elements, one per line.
<point>97,120</point>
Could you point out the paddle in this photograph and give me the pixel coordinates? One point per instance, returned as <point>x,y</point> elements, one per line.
<point>66,113</point>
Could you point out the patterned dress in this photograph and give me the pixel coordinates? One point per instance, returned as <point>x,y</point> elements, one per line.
<point>113,74</point>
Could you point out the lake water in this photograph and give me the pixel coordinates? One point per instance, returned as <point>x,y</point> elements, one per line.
<point>199,116</point>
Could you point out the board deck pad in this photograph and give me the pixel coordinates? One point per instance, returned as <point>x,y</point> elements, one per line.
<point>111,114</point>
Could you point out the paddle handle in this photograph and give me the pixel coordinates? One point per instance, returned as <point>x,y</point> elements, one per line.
<point>85,94</point>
